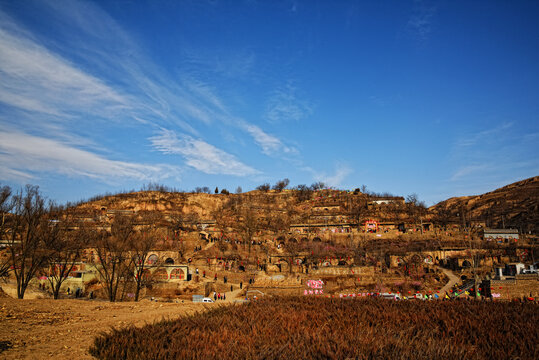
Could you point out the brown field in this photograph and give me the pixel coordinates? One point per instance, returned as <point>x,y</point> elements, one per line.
<point>303,328</point>
<point>65,329</point>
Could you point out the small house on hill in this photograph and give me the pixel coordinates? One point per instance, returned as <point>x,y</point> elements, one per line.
<point>387,200</point>
<point>500,234</point>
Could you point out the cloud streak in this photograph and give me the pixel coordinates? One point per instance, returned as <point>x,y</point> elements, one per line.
<point>270,144</point>
<point>51,91</point>
<point>493,154</point>
<point>420,22</point>
<point>483,135</point>
<point>36,80</point>
<point>200,155</point>
<point>284,105</point>
<point>22,155</point>
<point>341,172</point>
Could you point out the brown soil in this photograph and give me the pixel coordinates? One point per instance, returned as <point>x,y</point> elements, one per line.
<point>65,328</point>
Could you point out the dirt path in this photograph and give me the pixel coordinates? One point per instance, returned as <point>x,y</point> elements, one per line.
<point>453,279</point>
<point>65,328</point>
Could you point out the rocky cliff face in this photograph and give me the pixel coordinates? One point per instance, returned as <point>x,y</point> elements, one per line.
<point>513,206</point>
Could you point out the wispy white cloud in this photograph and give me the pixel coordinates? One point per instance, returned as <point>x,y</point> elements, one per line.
<point>483,135</point>
<point>200,155</point>
<point>270,144</point>
<point>420,22</point>
<point>47,86</point>
<point>204,91</point>
<point>336,179</point>
<point>284,105</point>
<point>23,155</point>
<point>491,154</point>
<point>36,80</point>
<point>237,64</point>
<point>468,170</point>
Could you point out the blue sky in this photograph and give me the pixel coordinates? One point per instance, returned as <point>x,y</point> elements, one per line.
<point>435,98</point>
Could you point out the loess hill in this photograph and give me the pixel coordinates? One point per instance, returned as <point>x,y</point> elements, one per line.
<point>512,206</point>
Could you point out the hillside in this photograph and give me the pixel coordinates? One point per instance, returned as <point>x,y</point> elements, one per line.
<point>512,206</point>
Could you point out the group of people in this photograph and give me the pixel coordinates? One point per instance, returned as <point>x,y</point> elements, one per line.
<point>219,296</point>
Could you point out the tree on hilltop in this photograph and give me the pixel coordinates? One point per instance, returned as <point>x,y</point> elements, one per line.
<point>281,185</point>
<point>303,192</point>
<point>416,209</point>
<point>264,187</point>
<point>318,186</point>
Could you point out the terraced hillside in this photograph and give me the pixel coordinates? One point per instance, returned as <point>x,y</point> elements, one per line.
<point>512,206</point>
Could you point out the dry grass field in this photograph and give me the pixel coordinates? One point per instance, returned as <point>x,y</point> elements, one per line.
<point>311,328</point>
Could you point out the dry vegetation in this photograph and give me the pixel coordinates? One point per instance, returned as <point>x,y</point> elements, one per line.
<point>512,206</point>
<point>300,328</point>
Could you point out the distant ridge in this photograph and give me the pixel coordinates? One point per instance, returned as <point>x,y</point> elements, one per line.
<point>513,206</point>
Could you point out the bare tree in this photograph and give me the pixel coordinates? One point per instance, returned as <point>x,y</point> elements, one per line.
<point>358,209</point>
<point>5,264</point>
<point>416,209</point>
<point>241,217</point>
<point>5,207</point>
<point>264,187</point>
<point>64,242</point>
<point>248,225</point>
<point>303,192</point>
<point>281,185</point>
<point>142,243</point>
<point>25,240</point>
<point>318,186</point>
<point>443,217</point>
<point>293,249</point>
<point>114,263</point>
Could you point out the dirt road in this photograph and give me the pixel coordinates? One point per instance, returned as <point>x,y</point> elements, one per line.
<point>453,279</point>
